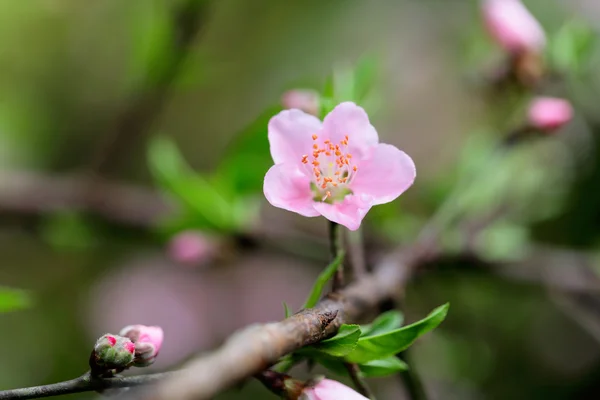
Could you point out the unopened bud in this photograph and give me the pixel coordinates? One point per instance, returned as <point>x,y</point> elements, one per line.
<point>191,248</point>
<point>112,352</point>
<point>148,341</point>
<point>327,389</point>
<point>281,384</point>
<point>302,99</point>
<point>513,27</point>
<point>548,114</point>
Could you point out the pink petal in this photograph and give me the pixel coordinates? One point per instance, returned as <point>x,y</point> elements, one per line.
<point>385,175</point>
<point>290,135</point>
<point>329,389</point>
<point>548,114</point>
<point>286,186</point>
<point>351,120</point>
<point>349,212</point>
<point>513,26</point>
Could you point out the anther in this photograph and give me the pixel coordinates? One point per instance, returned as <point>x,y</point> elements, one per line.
<point>315,137</point>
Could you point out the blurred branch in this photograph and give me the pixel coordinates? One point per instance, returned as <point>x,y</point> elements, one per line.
<point>82,384</point>
<point>146,105</point>
<point>28,193</point>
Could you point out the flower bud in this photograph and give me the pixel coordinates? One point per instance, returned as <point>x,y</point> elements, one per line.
<point>112,352</point>
<point>548,114</point>
<point>147,340</point>
<point>191,248</point>
<point>302,99</point>
<point>327,389</point>
<point>513,27</point>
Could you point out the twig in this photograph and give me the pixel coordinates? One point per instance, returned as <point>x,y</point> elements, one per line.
<point>82,384</point>
<point>29,193</point>
<point>358,381</point>
<point>335,247</point>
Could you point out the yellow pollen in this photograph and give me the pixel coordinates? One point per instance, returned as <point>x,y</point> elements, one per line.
<point>315,146</point>
<point>315,137</point>
<point>348,155</point>
<point>354,168</point>
<point>304,159</point>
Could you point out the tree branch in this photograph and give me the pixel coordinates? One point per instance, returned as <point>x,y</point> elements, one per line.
<point>84,383</point>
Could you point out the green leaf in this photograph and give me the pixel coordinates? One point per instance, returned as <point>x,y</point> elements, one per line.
<point>341,344</point>
<point>13,299</point>
<point>571,47</point>
<point>383,367</point>
<point>195,192</point>
<point>287,310</point>
<point>388,344</point>
<point>317,289</point>
<point>385,322</point>
<point>365,77</point>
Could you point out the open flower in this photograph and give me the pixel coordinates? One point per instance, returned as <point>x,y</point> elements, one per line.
<point>337,168</point>
<point>328,389</point>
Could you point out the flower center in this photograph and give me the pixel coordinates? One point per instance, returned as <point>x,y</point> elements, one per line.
<point>331,169</point>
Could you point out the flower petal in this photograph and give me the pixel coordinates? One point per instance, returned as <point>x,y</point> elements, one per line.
<point>286,186</point>
<point>290,135</point>
<point>328,389</point>
<point>385,175</point>
<point>351,120</point>
<point>349,212</point>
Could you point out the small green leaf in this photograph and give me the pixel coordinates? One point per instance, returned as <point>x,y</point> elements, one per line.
<point>365,77</point>
<point>385,322</point>
<point>13,299</point>
<point>286,310</point>
<point>388,344</point>
<point>317,289</point>
<point>341,344</point>
<point>383,367</point>
<point>195,192</point>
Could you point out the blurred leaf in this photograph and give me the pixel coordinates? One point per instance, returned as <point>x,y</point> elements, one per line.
<point>385,322</point>
<point>503,242</point>
<point>388,344</point>
<point>383,367</point>
<point>248,158</point>
<point>571,47</point>
<point>152,38</point>
<point>191,189</point>
<point>317,289</point>
<point>341,344</point>
<point>68,230</point>
<point>13,299</point>
<point>366,76</point>
<point>286,310</point>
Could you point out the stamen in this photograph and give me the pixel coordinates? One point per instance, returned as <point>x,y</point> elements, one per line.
<point>314,137</point>
<point>315,146</point>
<point>304,159</point>
<point>355,168</point>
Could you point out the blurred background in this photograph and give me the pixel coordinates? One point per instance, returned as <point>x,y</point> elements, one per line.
<point>133,147</point>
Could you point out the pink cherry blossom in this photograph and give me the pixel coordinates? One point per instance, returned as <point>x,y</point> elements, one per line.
<point>337,168</point>
<point>548,114</point>
<point>302,99</point>
<point>330,390</point>
<point>512,26</point>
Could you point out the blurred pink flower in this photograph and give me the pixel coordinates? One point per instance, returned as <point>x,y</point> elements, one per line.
<point>305,100</point>
<point>328,389</point>
<point>512,26</point>
<point>549,114</point>
<point>191,248</point>
<point>337,169</point>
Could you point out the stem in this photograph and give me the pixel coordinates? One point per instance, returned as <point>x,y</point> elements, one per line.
<point>84,383</point>
<point>412,382</point>
<point>336,247</point>
<point>358,381</point>
<point>357,253</point>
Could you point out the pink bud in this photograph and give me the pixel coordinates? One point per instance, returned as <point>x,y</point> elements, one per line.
<point>191,248</point>
<point>331,390</point>
<point>147,339</point>
<point>130,347</point>
<point>548,114</point>
<point>512,26</point>
<point>305,100</point>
